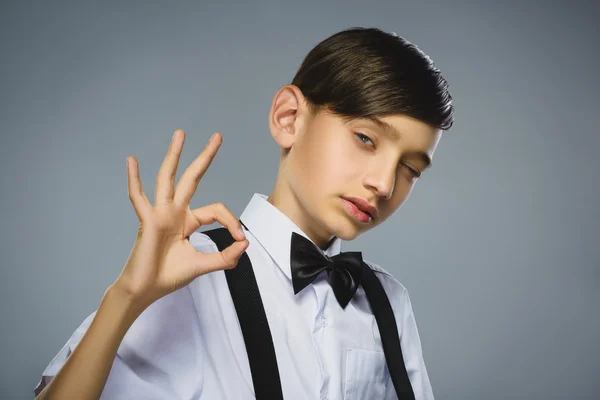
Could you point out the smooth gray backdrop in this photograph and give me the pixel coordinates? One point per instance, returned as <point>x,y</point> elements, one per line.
<point>498,244</point>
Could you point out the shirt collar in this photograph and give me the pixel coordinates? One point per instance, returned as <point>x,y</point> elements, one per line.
<point>273,229</point>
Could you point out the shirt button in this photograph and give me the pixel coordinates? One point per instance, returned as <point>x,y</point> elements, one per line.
<point>323,321</point>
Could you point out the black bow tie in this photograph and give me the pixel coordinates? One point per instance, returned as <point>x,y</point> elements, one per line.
<point>344,270</point>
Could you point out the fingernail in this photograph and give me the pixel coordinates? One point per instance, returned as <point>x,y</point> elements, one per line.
<point>241,232</point>
<point>211,138</point>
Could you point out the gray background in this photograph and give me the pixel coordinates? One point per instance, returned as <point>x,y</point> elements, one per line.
<point>497,245</point>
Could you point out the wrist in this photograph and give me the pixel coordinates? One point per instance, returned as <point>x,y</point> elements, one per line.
<point>122,303</point>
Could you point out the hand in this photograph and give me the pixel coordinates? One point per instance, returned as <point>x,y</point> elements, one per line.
<point>162,259</point>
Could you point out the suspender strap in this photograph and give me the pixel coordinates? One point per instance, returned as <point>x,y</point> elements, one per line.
<point>257,335</point>
<point>388,330</point>
<point>253,321</point>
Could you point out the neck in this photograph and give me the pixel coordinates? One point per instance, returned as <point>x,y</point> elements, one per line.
<point>290,205</point>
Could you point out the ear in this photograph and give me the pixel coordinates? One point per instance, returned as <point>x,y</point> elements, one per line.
<point>287,116</point>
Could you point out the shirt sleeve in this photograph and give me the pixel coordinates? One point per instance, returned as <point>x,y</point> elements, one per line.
<point>61,357</point>
<point>411,349</point>
<point>160,356</point>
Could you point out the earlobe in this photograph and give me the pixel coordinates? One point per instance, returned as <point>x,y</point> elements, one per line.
<point>286,114</point>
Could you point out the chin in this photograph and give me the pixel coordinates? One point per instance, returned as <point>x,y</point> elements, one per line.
<point>344,229</point>
<point>348,236</point>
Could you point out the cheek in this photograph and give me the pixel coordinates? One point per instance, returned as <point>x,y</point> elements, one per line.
<point>401,193</point>
<point>326,164</point>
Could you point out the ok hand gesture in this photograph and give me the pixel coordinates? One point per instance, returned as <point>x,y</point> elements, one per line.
<point>162,259</point>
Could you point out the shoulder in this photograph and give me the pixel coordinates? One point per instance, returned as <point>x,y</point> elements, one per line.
<point>394,289</point>
<point>385,275</point>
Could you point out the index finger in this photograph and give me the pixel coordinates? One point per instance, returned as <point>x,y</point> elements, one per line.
<point>188,183</point>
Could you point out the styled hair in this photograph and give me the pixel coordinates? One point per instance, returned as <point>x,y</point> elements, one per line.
<point>366,72</point>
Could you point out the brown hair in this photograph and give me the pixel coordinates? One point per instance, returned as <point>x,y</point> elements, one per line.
<point>366,72</point>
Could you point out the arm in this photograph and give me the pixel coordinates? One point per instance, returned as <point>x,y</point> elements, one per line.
<point>92,359</point>
<point>161,261</point>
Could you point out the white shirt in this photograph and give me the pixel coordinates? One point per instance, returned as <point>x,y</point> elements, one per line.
<point>188,344</point>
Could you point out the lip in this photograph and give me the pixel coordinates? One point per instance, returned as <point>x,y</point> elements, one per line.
<point>363,205</point>
<point>356,213</point>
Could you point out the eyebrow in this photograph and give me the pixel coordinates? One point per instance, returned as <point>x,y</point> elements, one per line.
<point>423,157</point>
<point>391,131</point>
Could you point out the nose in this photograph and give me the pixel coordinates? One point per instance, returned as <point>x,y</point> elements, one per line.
<point>381,181</point>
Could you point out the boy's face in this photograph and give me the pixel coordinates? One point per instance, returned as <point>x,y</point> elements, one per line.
<point>328,159</point>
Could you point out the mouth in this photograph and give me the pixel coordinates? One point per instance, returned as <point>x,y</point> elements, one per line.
<point>363,205</point>
<point>365,211</point>
<point>360,211</point>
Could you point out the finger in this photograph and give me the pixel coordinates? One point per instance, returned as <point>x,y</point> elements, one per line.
<point>188,183</point>
<point>218,212</point>
<point>226,259</point>
<point>166,175</point>
<point>135,191</point>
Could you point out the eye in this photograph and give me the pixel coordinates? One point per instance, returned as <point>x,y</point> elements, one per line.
<point>361,136</point>
<point>415,172</point>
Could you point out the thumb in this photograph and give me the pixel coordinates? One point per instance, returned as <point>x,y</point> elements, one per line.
<point>220,260</point>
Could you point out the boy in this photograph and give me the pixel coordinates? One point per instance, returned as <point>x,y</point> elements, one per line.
<point>357,126</point>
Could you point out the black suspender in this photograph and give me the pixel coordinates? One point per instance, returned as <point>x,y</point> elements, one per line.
<point>257,335</point>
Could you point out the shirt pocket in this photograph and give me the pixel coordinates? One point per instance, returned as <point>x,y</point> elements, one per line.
<point>366,374</point>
